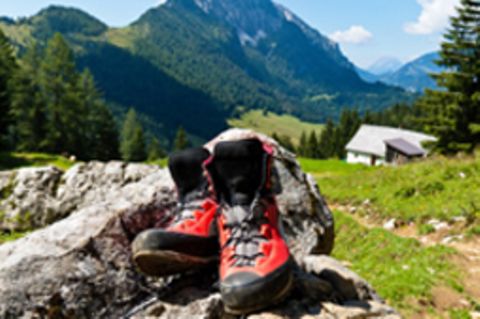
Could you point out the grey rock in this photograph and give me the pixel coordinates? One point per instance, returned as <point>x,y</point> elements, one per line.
<point>80,266</point>
<point>27,197</point>
<point>36,197</point>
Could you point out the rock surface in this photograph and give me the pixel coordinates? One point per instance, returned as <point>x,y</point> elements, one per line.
<point>80,266</point>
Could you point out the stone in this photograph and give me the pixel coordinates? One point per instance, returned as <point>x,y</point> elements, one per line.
<point>27,197</point>
<point>390,225</point>
<point>80,266</point>
<point>438,225</point>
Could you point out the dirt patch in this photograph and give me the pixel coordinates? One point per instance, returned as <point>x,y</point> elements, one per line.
<point>469,262</point>
<point>445,298</point>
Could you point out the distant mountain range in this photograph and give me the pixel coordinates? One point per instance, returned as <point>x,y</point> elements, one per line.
<point>197,63</point>
<point>385,65</point>
<point>413,76</point>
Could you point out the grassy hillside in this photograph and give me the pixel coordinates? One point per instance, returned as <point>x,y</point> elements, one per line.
<point>419,272</point>
<point>273,123</point>
<point>400,269</point>
<point>437,188</point>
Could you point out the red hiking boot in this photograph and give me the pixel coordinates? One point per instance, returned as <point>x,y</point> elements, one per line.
<point>255,267</point>
<point>191,239</point>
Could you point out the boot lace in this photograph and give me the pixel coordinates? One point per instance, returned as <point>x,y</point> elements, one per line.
<point>245,236</point>
<point>186,208</point>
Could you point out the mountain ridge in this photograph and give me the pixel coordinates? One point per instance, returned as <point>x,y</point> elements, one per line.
<point>185,55</point>
<point>415,75</point>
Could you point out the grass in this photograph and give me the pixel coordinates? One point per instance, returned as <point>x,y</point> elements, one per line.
<point>273,123</point>
<point>330,168</point>
<point>17,160</point>
<point>401,270</point>
<point>6,237</point>
<point>160,162</point>
<point>439,188</point>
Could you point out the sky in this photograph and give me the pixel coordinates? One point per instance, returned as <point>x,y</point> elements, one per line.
<point>367,30</point>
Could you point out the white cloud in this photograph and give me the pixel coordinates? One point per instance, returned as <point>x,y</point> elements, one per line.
<point>356,34</point>
<point>434,16</point>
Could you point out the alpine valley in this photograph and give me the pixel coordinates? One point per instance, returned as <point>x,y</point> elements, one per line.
<point>198,63</point>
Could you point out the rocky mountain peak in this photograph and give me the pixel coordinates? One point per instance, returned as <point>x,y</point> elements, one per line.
<point>252,19</point>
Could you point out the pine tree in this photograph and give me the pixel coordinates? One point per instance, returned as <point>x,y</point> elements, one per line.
<point>7,70</point>
<point>302,145</point>
<point>181,140</point>
<point>65,113</point>
<point>312,146</point>
<point>453,112</point>
<point>284,141</point>
<point>28,110</point>
<point>155,150</point>
<point>99,133</point>
<point>327,141</point>
<point>348,126</point>
<point>132,146</point>
<point>106,142</point>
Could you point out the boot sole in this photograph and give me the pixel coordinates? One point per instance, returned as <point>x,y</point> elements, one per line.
<point>274,301</point>
<point>165,263</point>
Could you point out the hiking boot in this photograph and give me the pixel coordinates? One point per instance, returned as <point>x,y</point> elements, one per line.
<point>255,266</point>
<point>191,238</point>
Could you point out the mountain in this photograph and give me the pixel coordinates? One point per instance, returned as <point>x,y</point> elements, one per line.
<point>197,63</point>
<point>385,65</point>
<point>367,76</point>
<point>415,76</point>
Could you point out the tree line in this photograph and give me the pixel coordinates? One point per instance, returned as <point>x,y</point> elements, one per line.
<point>46,105</point>
<point>331,141</point>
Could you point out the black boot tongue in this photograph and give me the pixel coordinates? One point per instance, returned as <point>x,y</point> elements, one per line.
<point>242,199</point>
<point>187,171</point>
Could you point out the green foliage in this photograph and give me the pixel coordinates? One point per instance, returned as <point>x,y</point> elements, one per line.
<point>59,79</point>
<point>332,141</point>
<point>399,115</point>
<point>453,112</point>
<point>155,151</point>
<point>181,140</point>
<point>29,110</point>
<point>132,146</point>
<point>426,229</point>
<point>302,148</point>
<point>100,133</point>
<point>399,268</point>
<point>160,162</point>
<point>7,70</point>
<point>55,109</point>
<point>7,191</point>
<point>284,141</point>
<point>327,141</point>
<point>10,161</point>
<point>6,237</point>
<point>312,150</point>
<point>349,124</point>
<point>459,314</point>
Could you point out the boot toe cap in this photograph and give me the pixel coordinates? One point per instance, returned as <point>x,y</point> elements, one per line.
<point>245,292</point>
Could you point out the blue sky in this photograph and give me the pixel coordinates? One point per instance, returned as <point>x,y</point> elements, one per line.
<point>367,30</point>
